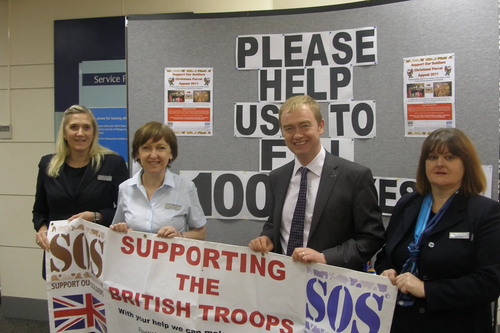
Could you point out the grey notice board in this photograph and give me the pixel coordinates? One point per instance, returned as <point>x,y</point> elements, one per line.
<point>469,29</point>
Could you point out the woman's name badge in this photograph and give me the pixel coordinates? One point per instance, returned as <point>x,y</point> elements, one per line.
<point>105,178</point>
<point>459,235</point>
<point>173,206</point>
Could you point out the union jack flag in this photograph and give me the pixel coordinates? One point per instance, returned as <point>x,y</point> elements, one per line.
<point>75,312</point>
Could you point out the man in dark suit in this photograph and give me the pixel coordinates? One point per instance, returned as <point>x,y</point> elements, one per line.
<point>342,222</point>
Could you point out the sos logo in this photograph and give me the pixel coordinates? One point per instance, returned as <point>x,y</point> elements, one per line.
<point>76,253</point>
<point>340,310</point>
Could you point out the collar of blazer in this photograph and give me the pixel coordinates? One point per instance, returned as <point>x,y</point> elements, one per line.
<point>329,177</point>
<point>88,176</point>
<point>455,214</point>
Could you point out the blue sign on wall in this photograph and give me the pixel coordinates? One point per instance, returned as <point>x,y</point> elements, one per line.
<point>112,124</point>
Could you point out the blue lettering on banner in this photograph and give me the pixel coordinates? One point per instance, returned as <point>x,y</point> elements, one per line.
<point>340,310</point>
<point>104,79</point>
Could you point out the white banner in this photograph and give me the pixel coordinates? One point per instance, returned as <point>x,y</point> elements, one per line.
<point>103,281</point>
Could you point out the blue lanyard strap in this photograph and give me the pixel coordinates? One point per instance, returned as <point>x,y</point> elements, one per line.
<point>422,229</point>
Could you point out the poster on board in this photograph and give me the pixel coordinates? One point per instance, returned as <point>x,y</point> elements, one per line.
<point>189,101</point>
<point>428,93</point>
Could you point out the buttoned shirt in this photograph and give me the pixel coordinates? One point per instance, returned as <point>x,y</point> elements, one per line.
<point>313,178</point>
<point>175,203</point>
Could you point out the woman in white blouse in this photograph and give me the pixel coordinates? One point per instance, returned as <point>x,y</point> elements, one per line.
<point>156,200</point>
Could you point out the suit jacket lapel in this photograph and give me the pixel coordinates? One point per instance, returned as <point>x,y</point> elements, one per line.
<point>453,215</point>
<point>280,190</point>
<point>410,215</point>
<point>329,176</point>
<point>283,180</point>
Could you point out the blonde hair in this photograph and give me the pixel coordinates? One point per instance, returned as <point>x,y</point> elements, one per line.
<point>474,181</point>
<point>96,151</point>
<point>296,103</point>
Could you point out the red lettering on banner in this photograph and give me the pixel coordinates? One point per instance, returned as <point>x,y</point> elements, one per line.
<point>186,308</point>
<point>279,275</point>
<point>221,313</point>
<point>115,293</point>
<point>205,309</point>
<point>241,317</point>
<point>137,299</point>
<point>271,321</point>
<point>213,287</point>
<point>177,250</point>
<point>140,251</point>
<point>164,305</point>
<point>243,314</point>
<point>243,263</point>
<point>197,284</point>
<point>286,326</point>
<point>147,298</point>
<point>209,312</point>
<point>168,307</point>
<point>159,247</point>
<point>254,264</point>
<point>189,257</point>
<point>127,296</point>
<point>129,243</point>
<point>229,259</point>
<point>211,255</point>
<point>209,258</point>
<point>183,278</point>
<point>261,317</point>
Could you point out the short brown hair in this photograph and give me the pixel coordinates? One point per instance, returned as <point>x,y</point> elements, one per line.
<point>296,102</point>
<point>474,181</point>
<point>156,131</point>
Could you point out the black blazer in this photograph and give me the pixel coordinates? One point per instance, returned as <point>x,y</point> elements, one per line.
<point>97,192</point>
<point>347,222</point>
<point>461,274</point>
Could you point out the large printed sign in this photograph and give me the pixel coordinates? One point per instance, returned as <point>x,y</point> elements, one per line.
<point>318,64</point>
<point>99,280</point>
<point>243,195</point>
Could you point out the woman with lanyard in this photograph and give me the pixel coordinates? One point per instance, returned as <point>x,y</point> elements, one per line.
<point>443,243</point>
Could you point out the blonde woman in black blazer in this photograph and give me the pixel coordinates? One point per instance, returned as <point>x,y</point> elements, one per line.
<point>457,260</point>
<point>80,180</point>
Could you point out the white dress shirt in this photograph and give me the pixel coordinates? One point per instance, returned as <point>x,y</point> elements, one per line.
<point>313,178</point>
<point>174,203</point>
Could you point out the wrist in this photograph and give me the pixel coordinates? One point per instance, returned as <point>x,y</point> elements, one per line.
<point>97,217</point>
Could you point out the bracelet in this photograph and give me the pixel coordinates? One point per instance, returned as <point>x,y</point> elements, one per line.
<point>182,234</point>
<point>96,217</point>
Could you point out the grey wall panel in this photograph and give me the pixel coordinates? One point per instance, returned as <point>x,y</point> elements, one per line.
<point>405,29</point>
